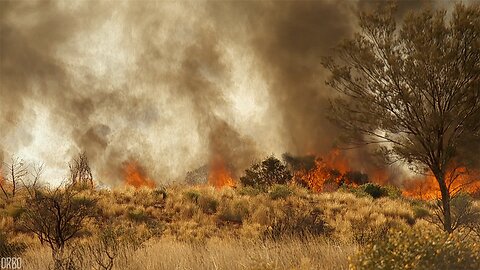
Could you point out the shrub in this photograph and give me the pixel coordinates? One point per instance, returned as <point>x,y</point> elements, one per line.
<point>249,191</point>
<point>192,196</point>
<point>420,212</point>
<point>279,192</point>
<point>393,191</point>
<point>208,204</point>
<point>235,212</point>
<point>297,222</point>
<point>138,215</point>
<point>266,173</point>
<point>8,248</point>
<point>374,190</point>
<point>419,249</point>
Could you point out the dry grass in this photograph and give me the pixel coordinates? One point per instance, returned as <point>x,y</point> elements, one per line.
<point>205,228</point>
<point>167,253</point>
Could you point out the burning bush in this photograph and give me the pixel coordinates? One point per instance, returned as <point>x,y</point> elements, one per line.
<point>324,173</point>
<point>266,173</point>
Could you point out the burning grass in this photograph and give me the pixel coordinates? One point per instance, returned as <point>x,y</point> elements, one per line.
<point>135,176</point>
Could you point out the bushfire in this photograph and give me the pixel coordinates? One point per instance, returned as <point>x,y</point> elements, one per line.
<point>426,187</point>
<point>219,175</point>
<point>134,175</point>
<point>329,173</point>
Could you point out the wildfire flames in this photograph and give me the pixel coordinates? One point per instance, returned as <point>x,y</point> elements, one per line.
<point>427,187</point>
<point>328,173</point>
<point>135,176</point>
<point>219,175</point>
<point>333,170</point>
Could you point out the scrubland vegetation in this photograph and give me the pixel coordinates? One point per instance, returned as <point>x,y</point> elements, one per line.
<point>200,227</point>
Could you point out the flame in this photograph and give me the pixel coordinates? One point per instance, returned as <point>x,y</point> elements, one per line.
<point>333,170</point>
<point>427,187</point>
<point>219,175</point>
<point>135,176</point>
<point>328,172</point>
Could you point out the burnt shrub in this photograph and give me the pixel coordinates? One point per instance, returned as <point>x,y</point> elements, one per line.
<point>266,173</point>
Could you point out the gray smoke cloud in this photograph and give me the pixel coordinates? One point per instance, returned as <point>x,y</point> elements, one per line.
<point>170,85</point>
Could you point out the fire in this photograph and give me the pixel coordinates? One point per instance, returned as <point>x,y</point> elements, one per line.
<point>333,170</point>
<point>134,175</point>
<point>328,173</point>
<point>427,187</point>
<point>219,175</point>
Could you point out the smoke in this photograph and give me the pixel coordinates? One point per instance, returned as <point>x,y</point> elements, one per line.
<point>171,85</point>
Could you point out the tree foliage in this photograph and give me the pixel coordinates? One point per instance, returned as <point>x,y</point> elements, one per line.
<point>266,173</point>
<point>415,89</point>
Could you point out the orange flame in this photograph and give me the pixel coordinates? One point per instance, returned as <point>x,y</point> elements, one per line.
<point>427,187</point>
<point>327,172</point>
<point>219,175</point>
<point>135,176</point>
<point>333,170</point>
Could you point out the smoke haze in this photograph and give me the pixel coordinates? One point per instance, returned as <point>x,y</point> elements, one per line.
<point>171,85</point>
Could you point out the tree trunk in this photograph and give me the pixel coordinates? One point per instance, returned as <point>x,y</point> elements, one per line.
<point>57,254</point>
<point>447,218</point>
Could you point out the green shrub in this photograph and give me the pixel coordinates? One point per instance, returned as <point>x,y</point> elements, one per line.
<point>266,173</point>
<point>374,190</point>
<point>279,192</point>
<point>419,249</point>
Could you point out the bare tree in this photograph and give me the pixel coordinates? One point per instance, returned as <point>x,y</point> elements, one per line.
<point>56,216</point>
<point>414,89</point>
<point>80,172</point>
<point>16,171</point>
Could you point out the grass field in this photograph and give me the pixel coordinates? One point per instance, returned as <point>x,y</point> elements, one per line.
<point>288,227</point>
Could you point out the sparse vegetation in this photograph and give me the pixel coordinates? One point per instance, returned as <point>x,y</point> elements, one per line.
<point>419,248</point>
<point>196,223</point>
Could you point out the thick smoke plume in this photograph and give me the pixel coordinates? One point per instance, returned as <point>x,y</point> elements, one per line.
<point>170,85</point>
